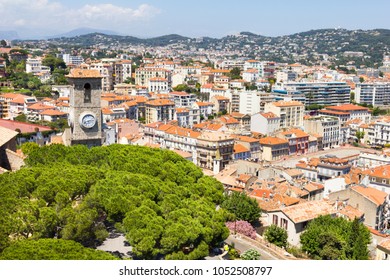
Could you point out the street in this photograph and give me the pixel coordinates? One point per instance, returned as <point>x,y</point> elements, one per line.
<point>242,246</point>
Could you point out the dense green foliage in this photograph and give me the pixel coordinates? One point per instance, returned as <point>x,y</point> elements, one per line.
<point>52,249</point>
<point>53,62</point>
<point>242,206</point>
<point>250,254</point>
<point>330,238</point>
<point>276,235</point>
<point>162,202</point>
<point>235,73</point>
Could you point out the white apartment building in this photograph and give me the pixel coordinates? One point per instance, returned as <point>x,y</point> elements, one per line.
<point>251,102</point>
<point>34,66</point>
<point>205,108</point>
<point>370,159</point>
<point>265,123</point>
<point>285,76</point>
<point>158,85</point>
<point>250,75</point>
<point>72,59</point>
<point>182,139</point>
<point>375,94</point>
<point>122,71</point>
<point>290,112</point>
<point>347,112</point>
<point>327,127</point>
<point>381,132</point>
<point>182,99</point>
<point>230,64</point>
<point>254,64</point>
<point>322,93</point>
<point>143,75</point>
<point>106,71</point>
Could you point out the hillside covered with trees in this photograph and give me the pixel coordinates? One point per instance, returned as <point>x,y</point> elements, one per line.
<point>163,203</point>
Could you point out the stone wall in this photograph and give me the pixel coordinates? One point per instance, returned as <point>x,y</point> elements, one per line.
<point>15,160</point>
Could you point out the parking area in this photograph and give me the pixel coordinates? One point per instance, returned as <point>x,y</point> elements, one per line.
<point>338,152</point>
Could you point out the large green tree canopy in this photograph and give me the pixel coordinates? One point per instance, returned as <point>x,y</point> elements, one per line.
<point>331,238</point>
<point>163,203</point>
<point>242,206</point>
<point>52,249</point>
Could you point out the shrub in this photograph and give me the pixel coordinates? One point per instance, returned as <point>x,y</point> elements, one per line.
<point>276,235</point>
<point>250,254</point>
<point>242,227</point>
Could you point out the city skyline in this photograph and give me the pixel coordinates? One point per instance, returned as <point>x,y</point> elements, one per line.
<point>151,18</point>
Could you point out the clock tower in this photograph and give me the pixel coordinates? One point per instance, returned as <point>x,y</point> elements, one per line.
<point>85,118</point>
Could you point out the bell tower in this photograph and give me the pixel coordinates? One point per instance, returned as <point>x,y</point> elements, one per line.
<point>85,118</point>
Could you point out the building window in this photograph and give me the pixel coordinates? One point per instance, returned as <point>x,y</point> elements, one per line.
<point>283,223</point>
<point>87,93</point>
<point>275,219</point>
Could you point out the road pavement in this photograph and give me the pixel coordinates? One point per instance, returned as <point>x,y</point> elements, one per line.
<point>243,245</point>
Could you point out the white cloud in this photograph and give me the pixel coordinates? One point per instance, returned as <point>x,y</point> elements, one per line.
<point>47,14</point>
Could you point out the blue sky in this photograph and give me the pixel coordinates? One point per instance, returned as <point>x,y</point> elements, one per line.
<point>215,18</point>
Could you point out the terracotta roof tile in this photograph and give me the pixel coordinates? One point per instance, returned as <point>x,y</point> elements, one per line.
<point>238,148</point>
<point>272,141</point>
<point>269,115</point>
<point>347,107</point>
<point>52,112</point>
<point>160,102</point>
<point>287,103</point>
<point>84,73</point>
<point>308,211</point>
<point>376,196</point>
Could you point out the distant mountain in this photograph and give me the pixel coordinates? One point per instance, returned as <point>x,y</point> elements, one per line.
<point>82,31</point>
<point>9,35</point>
<point>101,38</point>
<point>332,46</point>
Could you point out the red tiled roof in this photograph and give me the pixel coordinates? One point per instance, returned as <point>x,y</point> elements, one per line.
<point>238,148</point>
<point>380,172</point>
<point>376,196</point>
<point>287,103</point>
<point>52,112</point>
<point>24,127</point>
<point>347,108</point>
<point>269,115</point>
<point>333,112</point>
<point>272,141</point>
<point>220,97</point>
<point>160,102</point>
<point>180,131</point>
<point>84,73</point>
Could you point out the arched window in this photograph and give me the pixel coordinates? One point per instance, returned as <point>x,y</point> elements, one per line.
<point>87,93</point>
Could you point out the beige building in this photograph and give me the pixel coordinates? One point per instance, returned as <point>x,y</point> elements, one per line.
<point>159,110</point>
<point>383,250</point>
<point>214,150</point>
<point>143,75</point>
<point>274,148</point>
<point>290,112</point>
<point>372,202</point>
<point>327,127</point>
<point>294,219</point>
<point>221,103</point>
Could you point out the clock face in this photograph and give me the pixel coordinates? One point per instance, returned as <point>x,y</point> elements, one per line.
<point>88,120</point>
